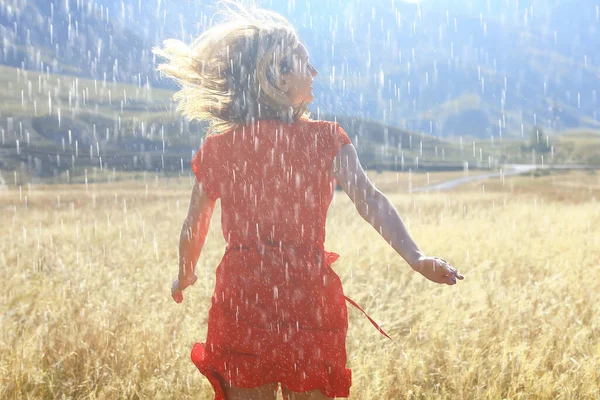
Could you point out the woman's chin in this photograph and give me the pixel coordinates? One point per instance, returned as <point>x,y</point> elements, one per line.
<point>306,100</point>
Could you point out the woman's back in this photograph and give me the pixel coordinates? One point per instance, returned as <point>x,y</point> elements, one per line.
<point>274,180</point>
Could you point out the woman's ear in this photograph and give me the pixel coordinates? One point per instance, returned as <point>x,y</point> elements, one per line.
<point>283,86</point>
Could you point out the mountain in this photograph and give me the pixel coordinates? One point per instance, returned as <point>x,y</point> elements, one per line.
<point>447,67</point>
<point>482,68</point>
<point>72,37</point>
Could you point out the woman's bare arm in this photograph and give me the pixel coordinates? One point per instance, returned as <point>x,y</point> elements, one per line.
<point>378,211</point>
<point>193,235</point>
<point>373,205</point>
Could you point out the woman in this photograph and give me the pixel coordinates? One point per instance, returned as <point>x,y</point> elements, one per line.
<point>278,313</point>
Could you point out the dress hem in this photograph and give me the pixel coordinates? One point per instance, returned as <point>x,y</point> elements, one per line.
<point>206,367</point>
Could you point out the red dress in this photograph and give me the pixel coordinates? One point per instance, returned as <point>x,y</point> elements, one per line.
<point>278,310</point>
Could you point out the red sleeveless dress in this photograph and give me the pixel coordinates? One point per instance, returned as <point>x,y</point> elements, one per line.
<point>278,310</point>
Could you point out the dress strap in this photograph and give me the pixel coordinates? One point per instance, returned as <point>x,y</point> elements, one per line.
<point>349,300</point>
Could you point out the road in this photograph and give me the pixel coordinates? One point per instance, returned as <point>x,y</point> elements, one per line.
<point>507,170</point>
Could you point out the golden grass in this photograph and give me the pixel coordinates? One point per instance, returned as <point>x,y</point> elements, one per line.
<point>86,312</point>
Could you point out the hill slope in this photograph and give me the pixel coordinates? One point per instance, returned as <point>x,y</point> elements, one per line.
<point>73,37</point>
<point>125,127</point>
<point>447,68</point>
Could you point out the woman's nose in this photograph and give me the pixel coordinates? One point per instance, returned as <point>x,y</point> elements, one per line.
<point>313,71</point>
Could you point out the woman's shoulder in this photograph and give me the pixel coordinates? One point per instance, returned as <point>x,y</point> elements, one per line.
<point>319,123</point>
<point>315,126</point>
<point>321,128</point>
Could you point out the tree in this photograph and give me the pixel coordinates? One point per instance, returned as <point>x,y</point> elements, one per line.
<point>538,140</point>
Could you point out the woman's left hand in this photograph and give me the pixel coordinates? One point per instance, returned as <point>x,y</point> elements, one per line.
<point>437,270</point>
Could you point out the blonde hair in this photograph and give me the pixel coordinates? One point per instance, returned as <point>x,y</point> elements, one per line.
<point>230,74</point>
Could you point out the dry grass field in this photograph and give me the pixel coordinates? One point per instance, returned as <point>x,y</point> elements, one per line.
<point>85,310</point>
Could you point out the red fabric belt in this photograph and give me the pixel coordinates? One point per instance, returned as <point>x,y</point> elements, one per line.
<point>349,300</point>
<point>329,255</point>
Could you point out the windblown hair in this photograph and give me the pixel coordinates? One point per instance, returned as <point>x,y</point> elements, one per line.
<point>230,75</point>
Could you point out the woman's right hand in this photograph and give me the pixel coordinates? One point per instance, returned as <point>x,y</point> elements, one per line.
<point>178,286</point>
<point>437,270</point>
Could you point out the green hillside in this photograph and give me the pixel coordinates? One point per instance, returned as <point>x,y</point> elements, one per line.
<point>53,123</point>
